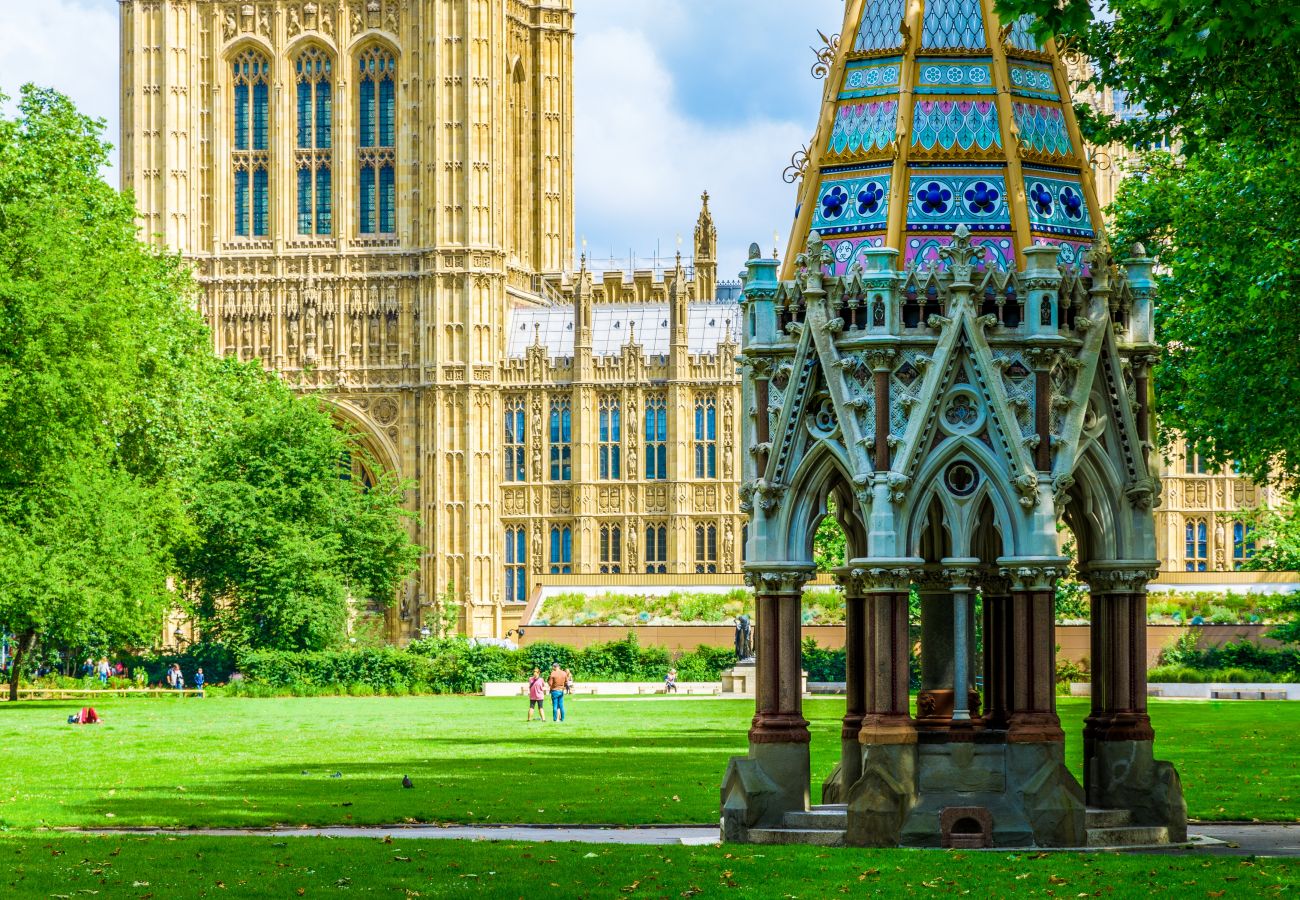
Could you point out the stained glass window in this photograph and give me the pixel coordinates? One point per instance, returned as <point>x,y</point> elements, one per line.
<point>1196,534</point>
<point>706,438</point>
<point>656,439</point>
<point>1243,543</point>
<point>251,158</point>
<point>611,437</point>
<point>515,440</point>
<point>516,564</point>
<point>611,549</point>
<point>314,158</point>
<point>377,143</point>
<point>561,428</point>
<point>561,550</point>
<point>656,549</point>
<point>706,549</point>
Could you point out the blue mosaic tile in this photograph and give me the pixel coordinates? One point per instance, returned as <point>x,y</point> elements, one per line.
<point>945,124</point>
<point>880,26</point>
<point>869,79</point>
<point>953,23</point>
<point>1033,80</point>
<point>942,202</point>
<point>1020,37</point>
<point>863,127</point>
<point>1057,205</point>
<point>956,76</point>
<point>1042,128</point>
<point>852,204</point>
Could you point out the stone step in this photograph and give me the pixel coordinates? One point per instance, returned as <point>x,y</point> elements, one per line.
<point>819,817</point>
<point>1128,836</point>
<point>817,837</point>
<point>1108,818</point>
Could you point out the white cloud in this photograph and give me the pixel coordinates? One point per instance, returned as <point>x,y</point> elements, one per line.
<point>641,164</point>
<point>67,45</point>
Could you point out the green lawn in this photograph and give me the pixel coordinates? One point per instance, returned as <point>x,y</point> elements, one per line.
<point>67,866</point>
<point>241,762</point>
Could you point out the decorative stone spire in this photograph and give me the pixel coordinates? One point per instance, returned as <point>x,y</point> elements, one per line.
<point>938,116</point>
<point>706,253</point>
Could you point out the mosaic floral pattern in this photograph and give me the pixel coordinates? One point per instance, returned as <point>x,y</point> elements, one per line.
<point>945,124</point>
<point>1033,80</point>
<point>857,203</point>
<point>963,77</point>
<point>1020,37</point>
<point>863,127</point>
<point>999,252</point>
<point>1042,128</point>
<point>945,201</point>
<point>1057,206</point>
<point>880,26</point>
<point>869,79</point>
<point>953,23</point>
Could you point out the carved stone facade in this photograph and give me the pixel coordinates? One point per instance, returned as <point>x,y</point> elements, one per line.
<point>375,196</point>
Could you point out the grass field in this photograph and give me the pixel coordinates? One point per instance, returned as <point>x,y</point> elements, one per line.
<point>66,866</point>
<point>240,762</point>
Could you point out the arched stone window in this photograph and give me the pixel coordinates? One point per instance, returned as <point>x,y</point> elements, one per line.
<point>706,438</point>
<point>561,428</point>
<point>656,549</point>
<point>706,549</point>
<point>251,155</point>
<point>314,140</point>
<point>377,141</point>
<point>561,550</point>
<point>611,549</point>
<point>1243,543</point>
<point>656,438</point>
<point>516,564</point>
<point>1196,535</point>
<point>611,437</point>
<point>516,436</point>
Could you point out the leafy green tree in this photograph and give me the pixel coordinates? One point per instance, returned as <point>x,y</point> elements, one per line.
<point>284,543</point>
<point>830,545</point>
<point>1217,82</point>
<point>85,311</point>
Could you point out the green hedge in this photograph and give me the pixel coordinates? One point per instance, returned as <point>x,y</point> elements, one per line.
<point>1190,675</point>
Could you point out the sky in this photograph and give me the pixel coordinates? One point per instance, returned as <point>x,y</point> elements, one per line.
<point>672,98</point>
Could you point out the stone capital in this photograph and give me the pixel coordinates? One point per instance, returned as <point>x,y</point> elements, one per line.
<point>878,576</point>
<point>1121,576</point>
<point>1033,573</point>
<point>962,574</point>
<point>779,579</point>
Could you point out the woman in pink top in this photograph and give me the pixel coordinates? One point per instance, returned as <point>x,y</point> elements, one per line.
<point>536,693</point>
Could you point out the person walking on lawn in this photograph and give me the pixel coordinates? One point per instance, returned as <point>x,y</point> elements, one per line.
<point>198,682</point>
<point>536,694</point>
<point>559,682</point>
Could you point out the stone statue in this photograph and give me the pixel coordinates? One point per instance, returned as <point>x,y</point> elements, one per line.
<point>744,640</point>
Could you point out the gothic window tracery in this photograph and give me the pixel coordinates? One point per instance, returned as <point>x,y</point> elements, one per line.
<point>656,438</point>
<point>516,564</point>
<point>656,549</point>
<point>377,145</point>
<point>611,549</point>
<point>706,438</point>
<point>1243,543</point>
<point>706,549</point>
<point>516,434</point>
<point>561,428</point>
<point>611,437</point>
<point>314,160</point>
<point>1196,545</point>
<point>561,550</point>
<point>251,157</point>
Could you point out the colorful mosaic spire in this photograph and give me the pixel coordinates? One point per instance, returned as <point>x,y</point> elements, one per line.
<point>939,115</point>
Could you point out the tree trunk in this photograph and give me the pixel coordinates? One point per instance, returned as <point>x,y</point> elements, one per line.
<point>22,647</point>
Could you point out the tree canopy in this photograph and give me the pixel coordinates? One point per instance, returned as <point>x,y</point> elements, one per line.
<point>129,453</point>
<point>1217,83</point>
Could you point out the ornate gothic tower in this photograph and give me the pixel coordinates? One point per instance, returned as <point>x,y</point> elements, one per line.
<point>957,361</point>
<point>365,188</point>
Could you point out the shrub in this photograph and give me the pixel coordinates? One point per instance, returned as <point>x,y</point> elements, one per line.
<point>823,664</point>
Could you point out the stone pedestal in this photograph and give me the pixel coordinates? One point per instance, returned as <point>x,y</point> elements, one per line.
<point>742,680</point>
